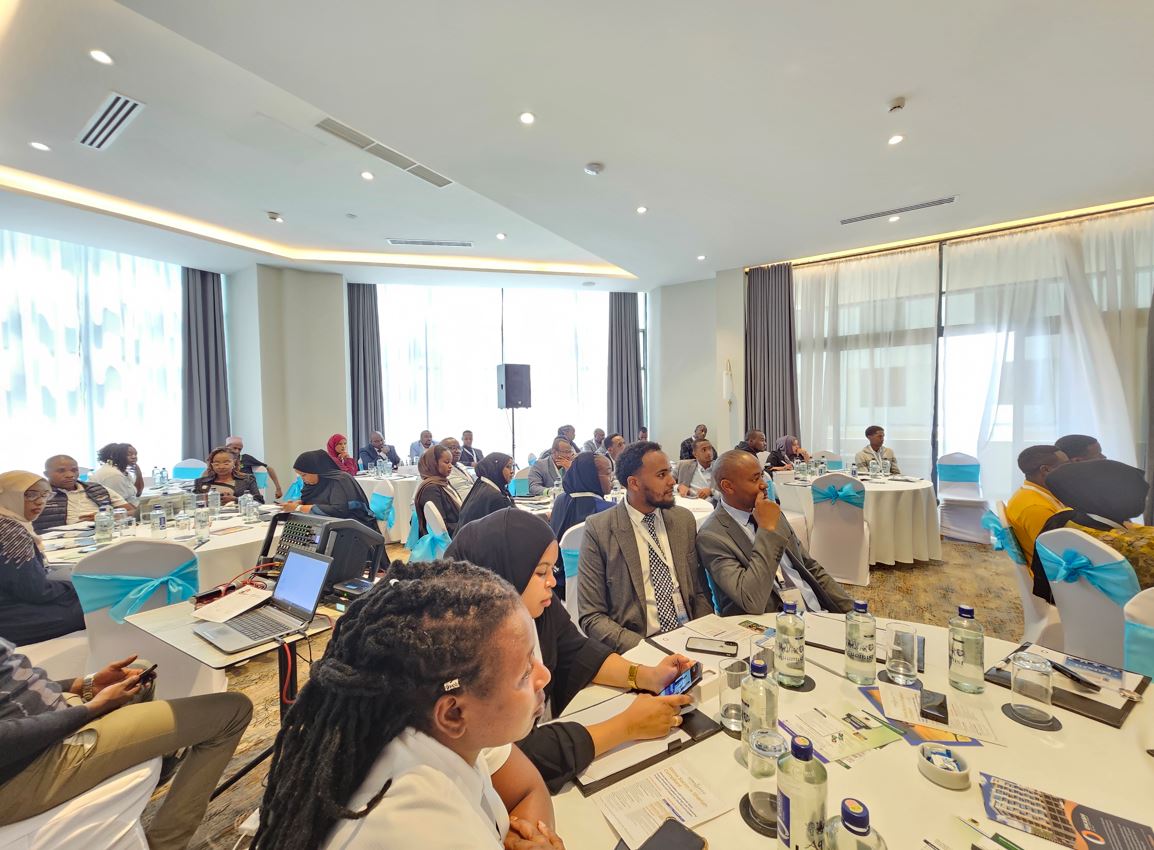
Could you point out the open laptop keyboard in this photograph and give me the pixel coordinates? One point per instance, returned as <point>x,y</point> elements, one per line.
<point>256,625</point>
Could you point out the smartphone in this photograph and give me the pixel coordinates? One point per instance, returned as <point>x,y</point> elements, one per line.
<point>933,706</point>
<point>683,683</point>
<point>148,675</point>
<point>712,647</point>
<point>674,835</point>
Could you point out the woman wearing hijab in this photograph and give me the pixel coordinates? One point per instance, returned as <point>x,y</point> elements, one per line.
<point>329,491</point>
<point>32,606</point>
<point>786,450</point>
<point>588,479</point>
<point>1102,496</point>
<point>490,492</point>
<point>434,466</point>
<point>338,449</point>
<point>520,548</point>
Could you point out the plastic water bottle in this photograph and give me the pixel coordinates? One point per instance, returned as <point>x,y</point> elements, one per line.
<point>967,652</point>
<point>104,523</point>
<point>159,522</point>
<point>381,469</point>
<point>801,789</point>
<point>758,700</point>
<point>156,482</point>
<point>789,652</point>
<point>853,470</point>
<point>851,829</point>
<point>203,524</point>
<point>164,475</point>
<point>214,503</point>
<point>860,644</point>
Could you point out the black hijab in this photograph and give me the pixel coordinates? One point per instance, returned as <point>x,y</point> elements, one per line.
<point>1106,488</point>
<point>492,468</point>
<point>336,493</point>
<point>569,510</point>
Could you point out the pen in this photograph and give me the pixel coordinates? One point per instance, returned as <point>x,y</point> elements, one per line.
<point>998,839</point>
<point>1070,674</point>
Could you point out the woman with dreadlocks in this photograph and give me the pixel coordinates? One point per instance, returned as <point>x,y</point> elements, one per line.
<point>427,680</point>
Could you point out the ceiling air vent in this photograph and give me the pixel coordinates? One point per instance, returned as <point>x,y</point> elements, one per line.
<point>370,145</point>
<point>345,132</point>
<point>430,176</point>
<point>110,119</point>
<point>887,213</point>
<point>430,243</point>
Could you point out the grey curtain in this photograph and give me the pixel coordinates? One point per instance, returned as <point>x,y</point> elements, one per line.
<point>365,364</point>
<point>770,352</point>
<point>205,376</point>
<point>626,406</point>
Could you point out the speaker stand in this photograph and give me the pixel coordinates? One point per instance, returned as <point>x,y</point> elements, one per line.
<point>513,417</point>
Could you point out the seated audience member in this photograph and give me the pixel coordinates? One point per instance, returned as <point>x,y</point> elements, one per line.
<point>55,747</point>
<point>33,607</point>
<point>1102,498</point>
<point>699,433</point>
<point>695,476</point>
<point>329,491</point>
<point>584,485</point>
<point>1033,504</point>
<point>643,434</point>
<point>338,449</point>
<point>876,435</point>
<point>470,454</point>
<point>434,467</point>
<point>597,444</point>
<point>548,471</point>
<point>376,450</point>
<point>401,737</point>
<point>519,547</point>
<point>786,450</point>
<point>646,535</point>
<point>614,446</point>
<point>751,553</point>
<point>753,443</point>
<point>419,447</point>
<point>1079,447</point>
<point>490,491</point>
<point>119,471</point>
<point>459,478</point>
<point>73,500</point>
<point>249,465</point>
<point>565,432</point>
<point>223,476</point>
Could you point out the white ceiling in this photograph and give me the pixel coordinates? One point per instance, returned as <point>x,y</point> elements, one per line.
<point>749,129</point>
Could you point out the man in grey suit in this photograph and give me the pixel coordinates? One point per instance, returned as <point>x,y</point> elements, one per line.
<point>638,569</point>
<point>695,476</point>
<point>547,471</point>
<point>751,553</point>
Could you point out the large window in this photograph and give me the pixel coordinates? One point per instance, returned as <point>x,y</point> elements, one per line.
<point>92,353</point>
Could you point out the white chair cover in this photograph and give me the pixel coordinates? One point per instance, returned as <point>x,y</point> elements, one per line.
<point>1139,614</point>
<point>433,519</point>
<point>962,502</point>
<point>763,458</point>
<point>106,817</point>
<point>1092,624</point>
<point>571,541</point>
<point>178,674</point>
<point>63,657</point>
<point>1042,624</point>
<point>840,539</point>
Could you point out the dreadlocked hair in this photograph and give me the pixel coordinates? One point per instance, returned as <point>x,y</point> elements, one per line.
<point>386,665</point>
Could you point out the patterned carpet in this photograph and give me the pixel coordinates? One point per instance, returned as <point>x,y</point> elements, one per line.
<point>924,593</point>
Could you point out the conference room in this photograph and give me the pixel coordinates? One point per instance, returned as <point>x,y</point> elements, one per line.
<point>620,426</point>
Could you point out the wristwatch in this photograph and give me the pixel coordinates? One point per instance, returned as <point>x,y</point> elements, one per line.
<point>86,686</point>
<point>632,678</point>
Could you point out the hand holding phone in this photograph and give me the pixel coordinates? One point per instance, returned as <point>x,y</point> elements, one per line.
<point>685,682</point>
<point>148,675</point>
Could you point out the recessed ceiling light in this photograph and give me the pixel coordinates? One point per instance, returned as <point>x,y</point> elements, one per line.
<point>896,140</point>
<point>350,215</point>
<point>275,216</point>
<point>642,210</point>
<point>528,117</point>
<point>500,235</point>
<point>40,146</point>
<point>366,175</point>
<point>700,256</point>
<point>895,218</point>
<point>100,56</point>
<point>594,168</point>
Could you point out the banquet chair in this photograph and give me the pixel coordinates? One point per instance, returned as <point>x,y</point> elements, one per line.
<point>1042,624</point>
<point>189,469</point>
<point>571,542</point>
<point>840,537</point>
<point>1139,635</point>
<point>62,657</point>
<point>519,486</point>
<point>385,488</point>
<point>178,674</point>
<point>960,497</point>
<point>106,816</point>
<point>763,458</point>
<point>833,461</point>
<point>83,473</point>
<point>432,545</point>
<point>1092,623</point>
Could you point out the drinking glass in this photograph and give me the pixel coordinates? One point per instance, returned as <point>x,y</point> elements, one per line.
<point>189,502</point>
<point>1030,680</point>
<point>875,469</point>
<point>119,515</point>
<point>184,526</point>
<point>128,527</point>
<point>733,672</point>
<point>886,467</point>
<point>798,471</point>
<point>765,748</point>
<point>902,662</point>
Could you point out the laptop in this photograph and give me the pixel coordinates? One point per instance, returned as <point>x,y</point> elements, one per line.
<point>290,608</point>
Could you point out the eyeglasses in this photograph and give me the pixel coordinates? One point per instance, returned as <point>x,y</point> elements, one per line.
<point>37,495</point>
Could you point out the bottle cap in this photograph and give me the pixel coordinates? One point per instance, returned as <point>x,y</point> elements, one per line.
<point>789,608</point>
<point>966,611</point>
<point>758,669</point>
<point>802,748</point>
<point>855,816</point>
<point>861,606</point>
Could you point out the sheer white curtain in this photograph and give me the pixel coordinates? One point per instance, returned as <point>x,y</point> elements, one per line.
<point>866,349</point>
<point>91,343</point>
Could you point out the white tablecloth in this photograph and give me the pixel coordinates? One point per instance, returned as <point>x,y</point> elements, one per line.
<point>1088,762</point>
<point>701,508</point>
<point>902,516</point>
<point>404,491</point>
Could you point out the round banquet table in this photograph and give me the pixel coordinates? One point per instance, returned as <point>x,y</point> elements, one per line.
<point>902,516</point>
<point>404,491</point>
<point>1086,761</point>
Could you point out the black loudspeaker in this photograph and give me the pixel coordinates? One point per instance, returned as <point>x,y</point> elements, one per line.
<point>513,388</point>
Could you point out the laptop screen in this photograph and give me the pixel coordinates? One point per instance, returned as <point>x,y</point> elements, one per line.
<point>301,579</point>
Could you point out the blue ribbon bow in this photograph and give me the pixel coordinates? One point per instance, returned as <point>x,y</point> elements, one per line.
<point>430,547</point>
<point>125,595</point>
<point>1139,642</point>
<point>846,494</point>
<point>382,508</point>
<point>1004,540</point>
<point>1115,579</point>
<point>570,557</point>
<point>414,530</point>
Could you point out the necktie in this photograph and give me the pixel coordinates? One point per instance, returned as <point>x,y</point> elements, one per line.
<point>753,522</point>
<point>661,579</point>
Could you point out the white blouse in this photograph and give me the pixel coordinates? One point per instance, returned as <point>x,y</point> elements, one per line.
<point>114,481</point>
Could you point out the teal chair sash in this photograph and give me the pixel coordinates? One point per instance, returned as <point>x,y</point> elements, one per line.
<point>835,465</point>
<point>1115,579</point>
<point>770,490</point>
<point>294,490</point>
<point>125,595</point>
<point>1004,540</point>
<point>846,493</point>
<point>1139,642</point>
<point>187,473</point>
<point>970,473</point>
<point>569,558</point>
<point>382,508</point>
<point>261,479</point>
<point>414,531</point>
<point>519,487</point>
<point>430,547</point>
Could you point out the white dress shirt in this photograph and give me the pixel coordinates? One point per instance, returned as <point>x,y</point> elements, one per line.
<point>702,478</point>
<point>785,567</point>
<point>644,544</point>
<point>436,802</point>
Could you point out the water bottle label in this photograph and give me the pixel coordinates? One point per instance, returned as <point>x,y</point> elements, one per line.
<point>861,648</point>
<point>790,650</point>
<point>782,816</point>
<point>957,651</point>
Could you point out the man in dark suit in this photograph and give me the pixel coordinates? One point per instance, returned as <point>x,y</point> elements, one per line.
<point>377,449</point>
<point>638,572</point>
<point>699,433</point>
<point>470,454</point>
<point>752,555</point>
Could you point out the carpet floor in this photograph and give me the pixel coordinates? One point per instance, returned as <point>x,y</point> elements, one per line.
<point>922,593</point>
